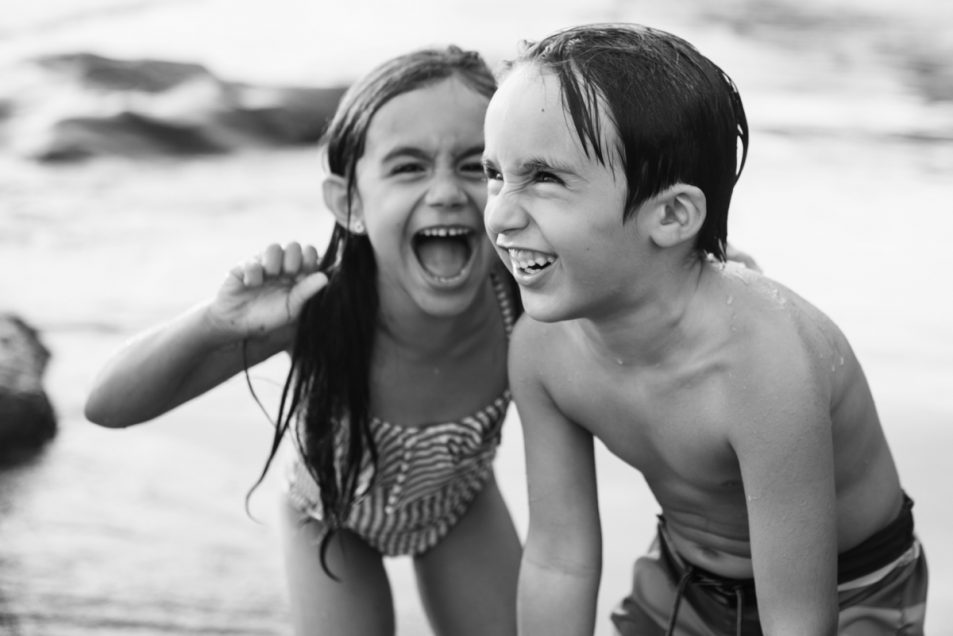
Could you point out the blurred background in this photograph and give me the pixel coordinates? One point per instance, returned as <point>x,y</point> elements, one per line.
<point>147,145</point>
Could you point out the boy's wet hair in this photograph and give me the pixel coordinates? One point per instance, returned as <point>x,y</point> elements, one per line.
<point>678,117</point>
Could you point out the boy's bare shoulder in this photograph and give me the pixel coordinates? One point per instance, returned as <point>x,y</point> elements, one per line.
<point>777,334</point>
<point>765,305</point>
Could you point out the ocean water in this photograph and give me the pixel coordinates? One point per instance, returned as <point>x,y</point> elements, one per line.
<point>846,198</point>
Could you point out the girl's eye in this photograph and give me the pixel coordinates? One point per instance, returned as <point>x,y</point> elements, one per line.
<point>407,168</point>
<point>472,169</point>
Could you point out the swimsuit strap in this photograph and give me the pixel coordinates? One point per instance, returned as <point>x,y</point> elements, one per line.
<point>504,297</point>
<point>726,589</point>
<point>679,593</point>
<point>690,576</point>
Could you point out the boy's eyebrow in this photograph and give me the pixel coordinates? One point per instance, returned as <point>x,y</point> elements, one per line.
<point>534,164</point>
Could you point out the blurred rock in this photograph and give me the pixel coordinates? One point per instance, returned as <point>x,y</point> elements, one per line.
<point>27,420</point>
<point>75,106</point>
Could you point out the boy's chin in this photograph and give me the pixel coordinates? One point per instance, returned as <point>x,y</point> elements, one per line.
<point>545,309</point>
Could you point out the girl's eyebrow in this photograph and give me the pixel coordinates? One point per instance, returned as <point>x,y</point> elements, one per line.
<point>420,153</point>
<point>404,151</point>
<point>472,150</point>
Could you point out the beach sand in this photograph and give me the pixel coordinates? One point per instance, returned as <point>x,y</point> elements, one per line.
<point>843,199</point>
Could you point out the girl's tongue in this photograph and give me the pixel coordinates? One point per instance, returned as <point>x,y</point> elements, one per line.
<point>443,257</point>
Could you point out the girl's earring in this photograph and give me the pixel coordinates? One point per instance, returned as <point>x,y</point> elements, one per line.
<point>357,227</point>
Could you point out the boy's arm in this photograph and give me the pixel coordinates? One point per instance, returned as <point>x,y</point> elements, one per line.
<point>562,560</point>
<point>166,366</point>
<point>785,451</point>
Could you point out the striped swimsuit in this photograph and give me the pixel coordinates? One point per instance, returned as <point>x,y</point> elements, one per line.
<point>426,478</point>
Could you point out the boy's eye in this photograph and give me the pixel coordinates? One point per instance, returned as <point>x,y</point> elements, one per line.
<point>491,173</point>
<point>543,176</point>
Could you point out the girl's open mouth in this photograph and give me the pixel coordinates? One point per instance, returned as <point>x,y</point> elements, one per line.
<point>445,251</point>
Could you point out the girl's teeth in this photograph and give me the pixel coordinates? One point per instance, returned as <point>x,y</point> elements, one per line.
<point>444,231</point>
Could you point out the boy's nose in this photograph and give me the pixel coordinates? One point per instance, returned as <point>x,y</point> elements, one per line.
<point>503,213</point>
<point>446,191</point>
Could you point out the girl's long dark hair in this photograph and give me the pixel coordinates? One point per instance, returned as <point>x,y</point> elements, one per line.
<point>327,392</point>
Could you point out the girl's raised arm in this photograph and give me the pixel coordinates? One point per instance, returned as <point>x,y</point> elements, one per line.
<point>251,318</point>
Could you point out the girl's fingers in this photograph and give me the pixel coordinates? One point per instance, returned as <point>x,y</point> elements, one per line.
<point>292,259</point>
<point>254,274</point>
<point>309,259</point>
<point>305,289</point>
<point>275,262</point>
<point>237,273</point>
<point>272,259</point>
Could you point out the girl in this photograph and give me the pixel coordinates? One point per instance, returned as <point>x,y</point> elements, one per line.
<point>398,340</point>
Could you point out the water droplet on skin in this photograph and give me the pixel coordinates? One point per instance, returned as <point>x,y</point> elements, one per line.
<point>730,300</point>
<point>842,360</point>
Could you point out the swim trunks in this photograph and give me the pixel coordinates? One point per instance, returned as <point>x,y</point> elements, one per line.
<point>882,588</point>
<point>426,477</point>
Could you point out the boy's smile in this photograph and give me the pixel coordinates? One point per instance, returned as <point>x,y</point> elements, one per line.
<point>554,213</point>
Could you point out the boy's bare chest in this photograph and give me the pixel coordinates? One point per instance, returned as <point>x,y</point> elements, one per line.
<point>665,424</point>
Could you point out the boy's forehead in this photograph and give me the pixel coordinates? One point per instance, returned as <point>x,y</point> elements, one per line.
<point>527,107</point>
<point>526,90</point>
<point>527,120</point>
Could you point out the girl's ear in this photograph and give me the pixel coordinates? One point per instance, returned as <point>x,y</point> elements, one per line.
<point>335,197</point>
<point>676,215</point>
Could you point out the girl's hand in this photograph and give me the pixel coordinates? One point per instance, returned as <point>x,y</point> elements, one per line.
<point>268,291</point>
<point>732,253</point>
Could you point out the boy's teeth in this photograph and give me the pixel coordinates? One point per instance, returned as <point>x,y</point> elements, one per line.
<point>526,259</point>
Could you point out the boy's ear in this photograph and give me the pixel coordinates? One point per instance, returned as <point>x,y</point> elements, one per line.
<point>335,197</point>
<point>677,215</point>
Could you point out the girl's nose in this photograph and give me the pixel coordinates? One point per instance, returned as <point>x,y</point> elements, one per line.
<point>446,191</point>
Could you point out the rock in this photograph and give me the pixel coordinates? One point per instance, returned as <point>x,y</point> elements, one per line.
<point>66,107</point>
<point>107,74</point>
<point>27,420</point>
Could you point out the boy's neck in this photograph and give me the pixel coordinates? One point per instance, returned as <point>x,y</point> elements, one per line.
<point>653,328</point>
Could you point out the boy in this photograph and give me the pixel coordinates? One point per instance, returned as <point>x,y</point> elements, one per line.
<point>611,156</point>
